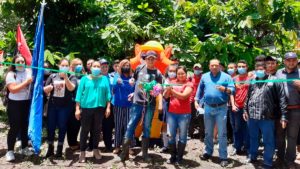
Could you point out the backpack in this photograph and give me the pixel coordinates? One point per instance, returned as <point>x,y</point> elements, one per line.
<point>5,92</point>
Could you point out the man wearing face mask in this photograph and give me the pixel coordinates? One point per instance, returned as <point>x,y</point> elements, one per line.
<point>231,69</point>
<point>292,93</point>
<point>259,111</point>
<point>195,79</point>
<point>239,125</point>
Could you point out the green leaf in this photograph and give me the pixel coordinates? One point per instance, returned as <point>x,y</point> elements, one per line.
<point>149,10</point>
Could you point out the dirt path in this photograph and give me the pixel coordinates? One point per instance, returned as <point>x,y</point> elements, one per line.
<point>109,160</point>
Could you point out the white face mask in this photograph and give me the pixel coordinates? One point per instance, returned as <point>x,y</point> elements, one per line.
<point>197,72</point>
<point>172,75</point>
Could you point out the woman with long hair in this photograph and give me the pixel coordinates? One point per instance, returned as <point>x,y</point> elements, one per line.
<point>18,81</point>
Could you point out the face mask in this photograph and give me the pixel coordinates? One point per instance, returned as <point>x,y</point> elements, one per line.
<point>64,68</point>
<point>78,68</point>
<point>20,68</point>
<point>260,73</point>
<point>171,75</point>
<point>242,70</point>
<point>125,70</point>
<point>46,72</point>
<point>95,71</point>
<point>230,71</point>
<point>197,72</point>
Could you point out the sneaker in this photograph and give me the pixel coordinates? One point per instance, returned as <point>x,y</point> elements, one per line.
<point>224,163</point>
<point>116,150</point>
<point>10,156</point>
<point>26,152</point>
<point>205,156</point>
<point>249,160</point>
<point>164,150</point>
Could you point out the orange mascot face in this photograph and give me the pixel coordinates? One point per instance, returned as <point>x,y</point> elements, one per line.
<point>163,60</point>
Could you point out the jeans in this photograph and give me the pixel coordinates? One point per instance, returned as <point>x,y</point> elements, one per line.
<point>292,134</point>
<point>136,113</point>
<point>267,128</point>
<point>57,117</point>
<point>213,116</point>
<point>178,121</point>
<point>240,130</point>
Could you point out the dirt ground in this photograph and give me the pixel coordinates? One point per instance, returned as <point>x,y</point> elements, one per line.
<point>70,160</point>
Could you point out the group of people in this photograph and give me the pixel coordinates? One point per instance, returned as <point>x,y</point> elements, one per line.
<point>262,104</point>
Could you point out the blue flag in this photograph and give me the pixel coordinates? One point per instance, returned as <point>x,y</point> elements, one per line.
<point>36,109</point>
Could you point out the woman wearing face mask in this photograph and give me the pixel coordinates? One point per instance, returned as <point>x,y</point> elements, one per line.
<point>59,87</point>
<point>122,87</point>
<point>170,76</point>
<point>18,81</point>
<point>92,96</point>
<point>73,123</point>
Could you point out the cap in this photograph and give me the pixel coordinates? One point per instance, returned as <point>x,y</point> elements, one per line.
<point>148,54</point>
<point>290,55</point>
<point>197,65</point>
<point>103,61</point>
<point>271,58</point>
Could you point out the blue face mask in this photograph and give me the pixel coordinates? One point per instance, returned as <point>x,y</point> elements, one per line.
<point>95,71</point>
<point>260,73</point>
<point>171,75</point>
<point>197,72</point>
<point>64,68</point>
<point>230,71</point>
<point>242,70</point>
<point>78,68</point>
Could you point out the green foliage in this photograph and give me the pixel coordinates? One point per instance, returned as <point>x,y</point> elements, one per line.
<point>198,30</point>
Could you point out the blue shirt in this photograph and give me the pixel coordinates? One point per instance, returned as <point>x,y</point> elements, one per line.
<point>121,91</point>
<point>207,91</point>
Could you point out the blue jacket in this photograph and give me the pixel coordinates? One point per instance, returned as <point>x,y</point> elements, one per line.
<point>121,91</point>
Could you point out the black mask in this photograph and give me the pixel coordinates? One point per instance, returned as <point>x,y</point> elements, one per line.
<point>125,70</point>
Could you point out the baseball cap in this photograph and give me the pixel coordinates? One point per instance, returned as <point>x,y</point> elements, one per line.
<point>149,53</point>
<point>103,61</point>
<point>290,55</point>
<point>197,65</point>
<point>271,58</point>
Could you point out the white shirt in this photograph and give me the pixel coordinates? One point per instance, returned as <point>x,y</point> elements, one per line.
<point>19,77</point>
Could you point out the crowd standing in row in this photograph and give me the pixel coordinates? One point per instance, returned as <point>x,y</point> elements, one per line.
<point>263,104</point>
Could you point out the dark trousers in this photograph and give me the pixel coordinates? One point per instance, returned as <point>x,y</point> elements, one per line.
<point>121,117</point>
<point>18,114</point>
<point>73,129</point>
<point>196,121</point>
<point>280,136</point>
<point>292,134</point>
<point>107,129</point>
<point>91,119</point>
<point>57,117</point>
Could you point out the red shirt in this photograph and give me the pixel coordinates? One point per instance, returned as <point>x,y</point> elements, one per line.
<point>241,90</point>
<point>195,80</point>
<point>179,106</point>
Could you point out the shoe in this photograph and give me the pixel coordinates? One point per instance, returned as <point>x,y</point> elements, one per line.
<point>249,160</point>
<point>125,150</point>
<point>26,152</point>
<point>50,151</point>
<point>10,156</point>
<point>82,157</point>
<point>164,150</point>
<point>223,163</point>
<point>180,152</point>
<point>59,151</point>
<point>145,147</point>
<point>75,148</point>
<point>236,152</point>
<point>173,153</point>
<point>116,150</point>
<point>97,154</point>
<point>205,156</point>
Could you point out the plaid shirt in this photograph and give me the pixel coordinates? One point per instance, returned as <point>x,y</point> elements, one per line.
<point>256,102</point>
